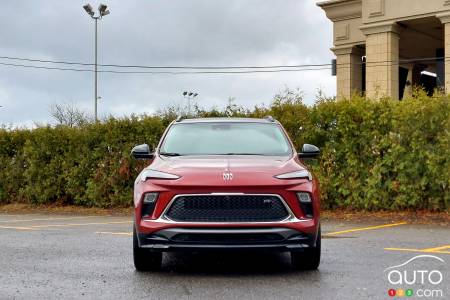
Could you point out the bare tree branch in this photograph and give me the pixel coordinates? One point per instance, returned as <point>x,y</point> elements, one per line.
<point>68,114</point>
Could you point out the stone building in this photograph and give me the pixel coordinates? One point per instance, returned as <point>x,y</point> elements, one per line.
<point>384,47</point>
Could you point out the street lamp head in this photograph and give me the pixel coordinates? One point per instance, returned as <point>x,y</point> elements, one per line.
<point>190,94</point>
<point>88,9</point>
<point>102,9</point>
<point>195,95</point>
<point>106,12</point>
<point>185,93</point>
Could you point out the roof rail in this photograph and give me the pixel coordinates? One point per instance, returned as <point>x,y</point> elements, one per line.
<point>269,118</point>
<point>180,118</point>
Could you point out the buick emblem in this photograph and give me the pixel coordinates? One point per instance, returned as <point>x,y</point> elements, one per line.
<point>227,176</point>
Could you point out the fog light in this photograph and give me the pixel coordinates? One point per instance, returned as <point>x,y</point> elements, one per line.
<point>306,204</point>
<point>150,198</point>
<point>304,197</point>
<point>148,204</point>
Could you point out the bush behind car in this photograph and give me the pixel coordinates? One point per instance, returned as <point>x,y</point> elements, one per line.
<point>382,154</point>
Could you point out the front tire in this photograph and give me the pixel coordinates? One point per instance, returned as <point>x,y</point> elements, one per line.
<point>310,258</point>
<point>144,259</point>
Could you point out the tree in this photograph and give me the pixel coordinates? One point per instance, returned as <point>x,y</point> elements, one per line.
<point>68,114</point>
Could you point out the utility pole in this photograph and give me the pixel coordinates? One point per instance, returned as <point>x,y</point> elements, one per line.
<point>102,11</point>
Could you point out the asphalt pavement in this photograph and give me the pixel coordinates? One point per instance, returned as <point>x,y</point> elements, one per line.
<point>46,256</point>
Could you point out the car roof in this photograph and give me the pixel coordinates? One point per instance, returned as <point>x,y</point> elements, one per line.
<point>226,120</point>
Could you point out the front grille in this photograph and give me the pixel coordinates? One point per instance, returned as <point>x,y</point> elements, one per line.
<point>227,208</point>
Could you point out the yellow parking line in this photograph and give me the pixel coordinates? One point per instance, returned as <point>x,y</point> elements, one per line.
<point>16,227</point>
<point>80,224</point>
<point>365,228</point>
<point>36,227</point>
<point>47,219</point>
<point>417,250</point>
<point>437,248</point>
<point>115,233</point>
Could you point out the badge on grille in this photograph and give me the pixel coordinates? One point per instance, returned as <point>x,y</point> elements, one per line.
<point>227,176</point>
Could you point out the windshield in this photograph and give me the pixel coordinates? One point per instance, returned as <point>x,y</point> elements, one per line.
<point>220,138</point>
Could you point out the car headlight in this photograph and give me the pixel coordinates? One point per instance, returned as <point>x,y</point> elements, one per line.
<point>303,174</point>
<point>149,174</point>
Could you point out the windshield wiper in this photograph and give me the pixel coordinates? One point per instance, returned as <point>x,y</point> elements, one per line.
<point>170,154</point>
<point>241,153</point>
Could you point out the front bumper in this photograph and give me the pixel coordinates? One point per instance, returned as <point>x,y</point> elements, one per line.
<point>196,239</point>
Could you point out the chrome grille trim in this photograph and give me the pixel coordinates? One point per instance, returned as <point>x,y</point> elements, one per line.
<point>290,219</point>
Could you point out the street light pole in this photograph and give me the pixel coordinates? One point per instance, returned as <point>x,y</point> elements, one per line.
<point>102,10</point>
<point>189,102</point>
<point>96,73</point>
<point>190,96</point>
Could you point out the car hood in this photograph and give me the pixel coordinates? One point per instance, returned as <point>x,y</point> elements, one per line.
<point>264,164</point>
<point>209,170</point>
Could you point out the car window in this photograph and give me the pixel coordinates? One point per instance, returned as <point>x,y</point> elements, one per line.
<point>226,139</point>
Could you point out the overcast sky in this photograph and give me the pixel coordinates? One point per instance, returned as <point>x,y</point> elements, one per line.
<point>158,32</point>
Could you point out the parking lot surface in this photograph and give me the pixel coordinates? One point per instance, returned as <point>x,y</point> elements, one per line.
<point>46,256</point>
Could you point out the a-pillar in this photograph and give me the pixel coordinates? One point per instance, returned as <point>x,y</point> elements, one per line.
<point>382,60</point>
<point>349,70</point>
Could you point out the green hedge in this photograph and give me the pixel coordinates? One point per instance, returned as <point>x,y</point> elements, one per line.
<point>381,154</point>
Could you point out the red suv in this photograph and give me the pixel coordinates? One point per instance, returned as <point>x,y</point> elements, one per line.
<point>226,184</point>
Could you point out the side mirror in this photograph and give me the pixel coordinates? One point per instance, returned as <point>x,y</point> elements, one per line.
<point>309,151</point>
<point>142,152</point>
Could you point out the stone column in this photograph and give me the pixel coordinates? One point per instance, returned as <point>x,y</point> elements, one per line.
<point>440,69</point>
<point>445,19</point>
<point>382,56</point>
<point>409,82</point>
<point>349,70</point>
